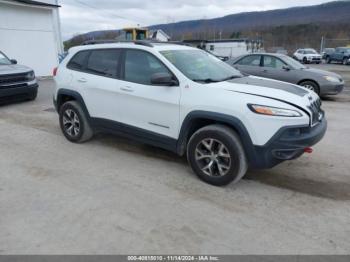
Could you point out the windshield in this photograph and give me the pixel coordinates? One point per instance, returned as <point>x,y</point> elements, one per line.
<point>4,60</point>
<point>201,66</point>
<point>293,63</point>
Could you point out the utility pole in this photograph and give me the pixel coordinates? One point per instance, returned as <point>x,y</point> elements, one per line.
<point>322,44</point>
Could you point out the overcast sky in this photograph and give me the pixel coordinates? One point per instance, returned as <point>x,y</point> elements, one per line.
<point>81,16</point>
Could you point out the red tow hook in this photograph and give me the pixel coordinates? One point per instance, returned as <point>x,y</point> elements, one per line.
<point>308,150</point>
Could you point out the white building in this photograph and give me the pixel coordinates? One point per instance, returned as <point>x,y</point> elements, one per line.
<point>30,33</point>
<point>228,47</point>
<point>233,47</point>
<point>160,35</point>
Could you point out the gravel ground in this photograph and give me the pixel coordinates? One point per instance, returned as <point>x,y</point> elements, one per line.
<point>113,196</point>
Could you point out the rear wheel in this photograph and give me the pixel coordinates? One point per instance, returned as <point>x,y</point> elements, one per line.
<point>74,123</point>
<point>216,155</point>
<point>311,85</point>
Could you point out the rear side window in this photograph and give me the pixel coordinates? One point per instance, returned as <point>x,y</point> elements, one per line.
<point>78,61</point>
<point>252,60</point>
<point>103,62</point>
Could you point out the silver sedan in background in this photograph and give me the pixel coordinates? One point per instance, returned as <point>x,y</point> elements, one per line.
<point>284,68</point>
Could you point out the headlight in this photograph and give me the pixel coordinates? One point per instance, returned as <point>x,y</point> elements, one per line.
<point>273,111</point>
<point>332,79</point>
<point>30,76</point>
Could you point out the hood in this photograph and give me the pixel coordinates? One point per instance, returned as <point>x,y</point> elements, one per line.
<point>285,92</point>
<point>13,69</point>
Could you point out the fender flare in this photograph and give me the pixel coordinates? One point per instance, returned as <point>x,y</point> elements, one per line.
<point>231,121</point>
<point>77,97</point>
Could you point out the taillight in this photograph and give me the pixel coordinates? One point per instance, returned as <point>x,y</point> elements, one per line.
<point>54,72</point>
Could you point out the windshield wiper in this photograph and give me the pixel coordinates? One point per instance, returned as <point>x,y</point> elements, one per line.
<point>230,77</point>
<point>207,80</point>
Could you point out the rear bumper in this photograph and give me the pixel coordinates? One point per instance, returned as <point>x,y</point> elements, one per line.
<point>287,144</point>
<point>20,92</point>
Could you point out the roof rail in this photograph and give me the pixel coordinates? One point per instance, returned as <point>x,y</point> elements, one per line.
<point>108,41</point>
<point>149,43</point>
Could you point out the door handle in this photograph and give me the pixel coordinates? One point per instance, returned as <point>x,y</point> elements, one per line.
<point>127,89</point>
<point>82,80</point>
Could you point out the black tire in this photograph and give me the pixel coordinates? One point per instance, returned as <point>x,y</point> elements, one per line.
<point>236,163</point>
<point>311,85</point>
<point>81,131</point>
<point>328,60</point>
<point>304,60</point>
<point>345,61</point>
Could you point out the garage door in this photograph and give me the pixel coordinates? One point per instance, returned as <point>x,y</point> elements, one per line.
<point>27,35</point>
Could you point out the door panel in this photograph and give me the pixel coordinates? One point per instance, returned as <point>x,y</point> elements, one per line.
<point>273,68</point>
<point>146,106</point>
<point>98,84</point>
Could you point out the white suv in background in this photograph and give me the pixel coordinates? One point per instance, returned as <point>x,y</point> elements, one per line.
<point>187,101</point>
<point>308,56</point>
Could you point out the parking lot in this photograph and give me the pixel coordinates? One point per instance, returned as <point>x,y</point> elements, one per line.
<point>114,196</point>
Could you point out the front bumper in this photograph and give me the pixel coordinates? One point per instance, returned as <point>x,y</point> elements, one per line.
<point>314,59</point>
<point>287,144</point>
<point>331,89</point>
<point>18,92</point>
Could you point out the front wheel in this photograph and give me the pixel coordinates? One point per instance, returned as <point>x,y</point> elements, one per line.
<point>74,123</point>
<point>216,155</point>
<point>328,60</point>
<point>311,86</point>
<point>304,60</point>
<point>345,61</point>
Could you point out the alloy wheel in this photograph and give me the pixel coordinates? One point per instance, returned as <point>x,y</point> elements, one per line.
<point>213,158</point>
<point>310,87</point>
<point>71,123</point>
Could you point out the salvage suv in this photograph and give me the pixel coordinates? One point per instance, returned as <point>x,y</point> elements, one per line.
<point>187,101</point>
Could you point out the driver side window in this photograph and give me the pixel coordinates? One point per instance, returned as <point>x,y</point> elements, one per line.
<point>140,66</point>
<point>273,62</point>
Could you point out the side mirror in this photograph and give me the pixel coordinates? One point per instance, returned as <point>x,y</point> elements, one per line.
<point>163,79</point>
<point>225,58</point>
<point>287,68</point>
<point>13,61</point>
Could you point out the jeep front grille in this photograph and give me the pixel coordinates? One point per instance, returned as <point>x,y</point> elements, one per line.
<point>316,111</point>
<point>13,79</point>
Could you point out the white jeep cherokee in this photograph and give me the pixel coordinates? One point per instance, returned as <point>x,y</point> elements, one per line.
<point>187,101</point>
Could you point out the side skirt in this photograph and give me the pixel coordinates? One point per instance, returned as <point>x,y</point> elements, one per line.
<point>134,133</point>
